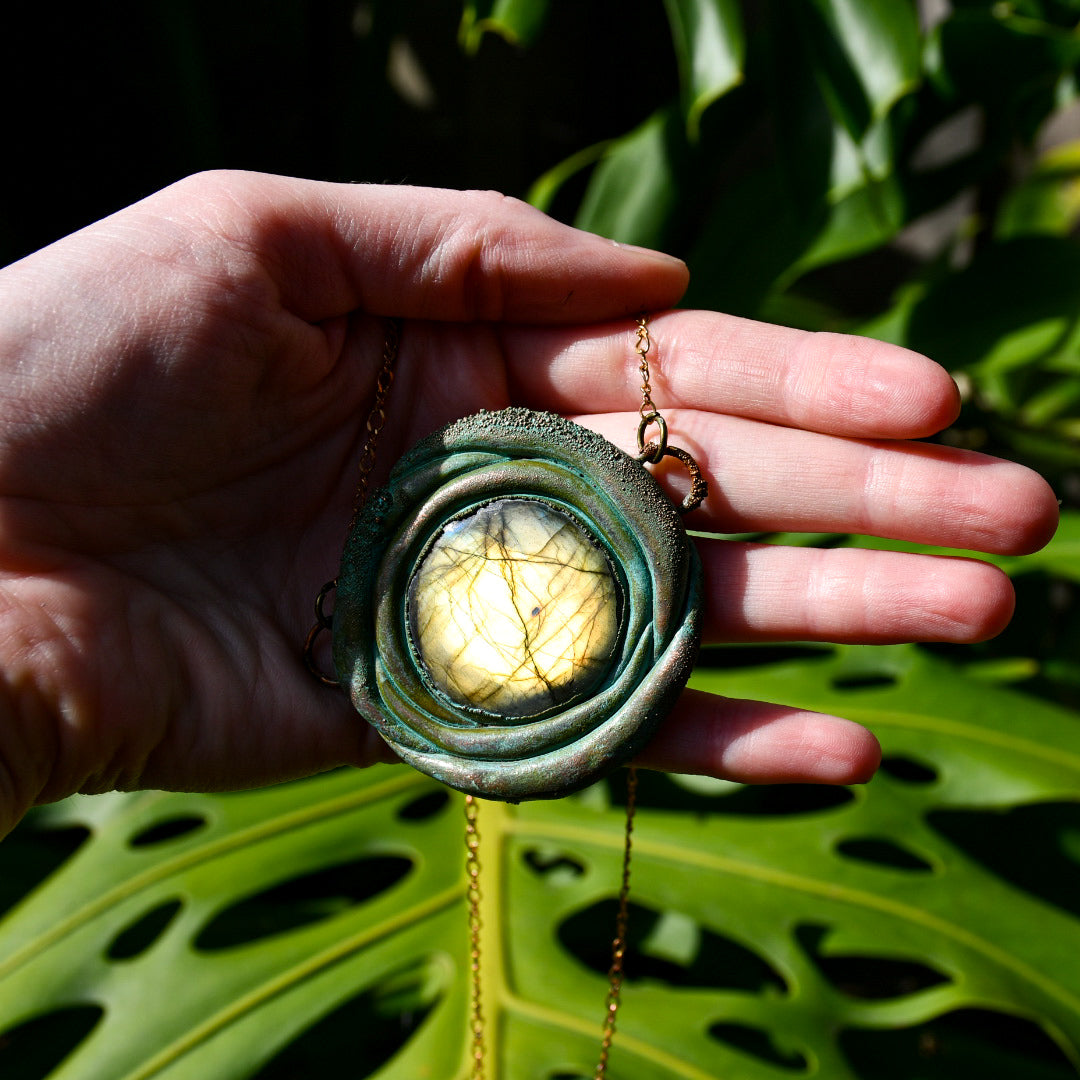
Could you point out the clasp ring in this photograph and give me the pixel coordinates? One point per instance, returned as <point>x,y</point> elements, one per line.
<point>652,452</point>
<point>324,622</point>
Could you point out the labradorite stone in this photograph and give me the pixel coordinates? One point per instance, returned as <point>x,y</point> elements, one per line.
<point>513,609</point>
<point>458,480</point>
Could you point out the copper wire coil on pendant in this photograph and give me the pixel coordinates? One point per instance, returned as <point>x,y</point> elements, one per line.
<point>518,608</point>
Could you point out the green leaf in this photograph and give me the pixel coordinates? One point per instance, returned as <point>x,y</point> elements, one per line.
<point>634,193</point>
<point>199,1002</point>
<point>1048,201</point>
<point>710,48</point>
<point>518,21</point>
<point>881,44</point>
<point>976,746</point>
<point>752,234</point>
<point>544,190</point>
<point>1006,318</point>
<point>1061,557</point>
<point>976,44</point>
<point>865,219</point>
<point>772,930</point>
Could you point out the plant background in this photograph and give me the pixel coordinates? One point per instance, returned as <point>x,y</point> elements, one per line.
<point>906,170</point>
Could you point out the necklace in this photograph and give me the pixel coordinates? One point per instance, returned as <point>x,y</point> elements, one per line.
<point>516,612</point>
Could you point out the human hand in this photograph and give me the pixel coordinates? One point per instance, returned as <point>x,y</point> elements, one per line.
<point>183,395</point>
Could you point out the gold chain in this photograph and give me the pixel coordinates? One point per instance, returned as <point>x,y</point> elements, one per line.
<point>641,347</point>
<point>652,452</point>
<point>618,944</point>
<point>472,870</point>
<point>377,417</point>
<point>655,452</point>
<point>622,918</point>
<point>324,621</point>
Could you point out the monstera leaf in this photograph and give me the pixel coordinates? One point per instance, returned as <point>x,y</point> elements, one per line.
<point>922,925</point>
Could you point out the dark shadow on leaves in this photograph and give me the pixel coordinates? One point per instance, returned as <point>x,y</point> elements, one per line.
<point>868,978</point>
<point>171,829</point>
<point>659,792</point>
<point>1026,846</point>
<point>302,901</point>
<point>908,770</point>
<point>760,1044</point>
<point>360,1036</point>
<point>424,806</point>
<point>975,1043</point>
<point>553,864</point>
<point>718,962</point>
<point>882,852</point>
<point>140,935</point>
<point>29,855</point>
<point>33,1049</point>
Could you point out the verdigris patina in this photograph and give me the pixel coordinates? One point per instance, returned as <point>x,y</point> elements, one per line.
<point>519,607</point>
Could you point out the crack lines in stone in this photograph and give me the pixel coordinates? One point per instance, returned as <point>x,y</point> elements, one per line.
<point>513,609</point>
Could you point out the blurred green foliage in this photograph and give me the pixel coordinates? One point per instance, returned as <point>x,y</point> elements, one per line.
<point>906,170</point>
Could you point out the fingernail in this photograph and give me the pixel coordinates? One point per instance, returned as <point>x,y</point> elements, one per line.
<point>651,253</point>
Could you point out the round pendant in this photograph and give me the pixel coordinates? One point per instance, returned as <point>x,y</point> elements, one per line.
<point>519,607</point>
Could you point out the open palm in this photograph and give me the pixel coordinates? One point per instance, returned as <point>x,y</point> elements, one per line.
<point>183,396</point>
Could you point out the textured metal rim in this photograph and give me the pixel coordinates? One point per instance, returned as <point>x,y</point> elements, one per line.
<point>511,454</point>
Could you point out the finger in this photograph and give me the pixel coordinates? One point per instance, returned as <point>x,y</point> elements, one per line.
<point>761,593</point>
<point>835,383</point>
<point>418,252</point>
<point>765,478</point>
<point>752,742</point>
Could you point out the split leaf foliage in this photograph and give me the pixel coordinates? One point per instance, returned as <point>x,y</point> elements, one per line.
<point>775,932</point>
<point>831,165</point>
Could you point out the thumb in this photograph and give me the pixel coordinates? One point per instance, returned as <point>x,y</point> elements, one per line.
<point>422,253</point>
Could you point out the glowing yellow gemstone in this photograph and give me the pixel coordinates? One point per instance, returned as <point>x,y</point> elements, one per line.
<point>514,609</point>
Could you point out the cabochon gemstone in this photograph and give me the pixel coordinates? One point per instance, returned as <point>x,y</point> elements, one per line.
<point>513,609</point>
<point>518,454</point>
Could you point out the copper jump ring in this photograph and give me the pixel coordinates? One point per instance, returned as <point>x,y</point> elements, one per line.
<point>323,622</point>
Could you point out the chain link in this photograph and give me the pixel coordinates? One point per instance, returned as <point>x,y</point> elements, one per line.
<point>641,347</point>
<point>377,417</point>
<point>655,452</point>
<point>651,452</point>
<point>618,945</point>
<point>472,893</point>
<point>324,621</point>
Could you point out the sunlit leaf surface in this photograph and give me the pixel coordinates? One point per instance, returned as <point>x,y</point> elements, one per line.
<point>775,932</point>
<point>518,21</point>
<point>709,44</point>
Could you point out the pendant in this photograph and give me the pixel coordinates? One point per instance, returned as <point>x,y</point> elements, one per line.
<point>518,609</point>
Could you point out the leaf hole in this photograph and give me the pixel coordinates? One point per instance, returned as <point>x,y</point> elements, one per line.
<point>882,852</point>
<point>554,865</point>
<point>424,806</point>
<point>365,1032</point>
<point>759,1044</point>
<point>29,855</point>
<point>868,978</point>
<point>659,792</point>
<point>1035,848</point>
<point>718,657</point>
<point>968,1042</point>
<point>141,934</point>
<point>170,829</point>
<point>302,901</point>
<point>863,681</point>
<point>908,770</point>
<point>35,1047</point>
<point>668,946</point>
